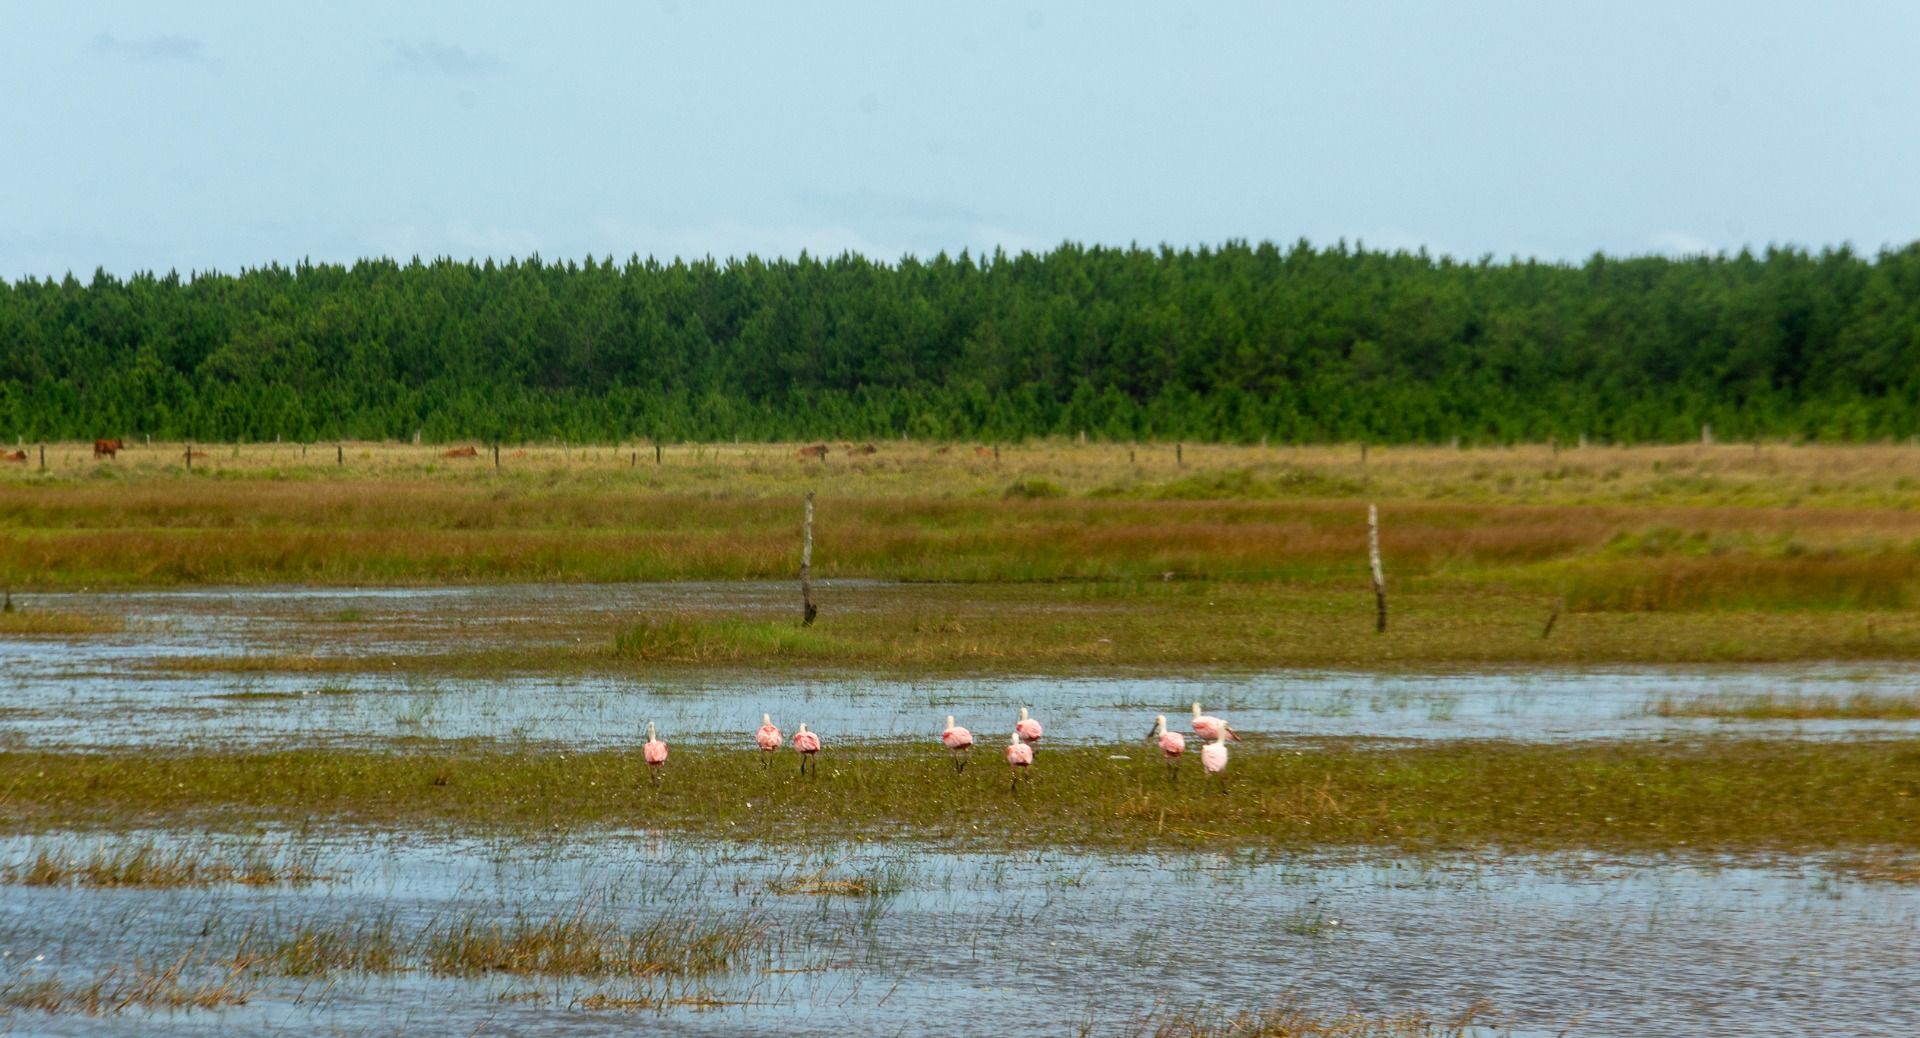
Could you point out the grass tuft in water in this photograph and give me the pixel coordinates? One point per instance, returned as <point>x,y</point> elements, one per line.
<point>146,864</point>
<point>1861,706</point>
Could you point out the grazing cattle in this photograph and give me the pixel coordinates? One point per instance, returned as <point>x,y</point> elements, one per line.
<point>866,448</point>
<point>818,450</point>
<point>19,456</point>
<point>196,454</point>
<point>107,448</point>
<point>983,452</point>
<point>461,452</point>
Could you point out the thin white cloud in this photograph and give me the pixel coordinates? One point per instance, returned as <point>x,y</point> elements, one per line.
<point>1680,243</point>
<point>428,57</point>
<point>183,49</point>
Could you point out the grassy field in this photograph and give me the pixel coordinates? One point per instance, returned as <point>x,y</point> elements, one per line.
<point>1707,796</point>
<point>1055,555</point>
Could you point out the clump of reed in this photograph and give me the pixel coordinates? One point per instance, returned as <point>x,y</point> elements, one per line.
<point>578,945</point>
<point>1289,1019</point>
<point>575,943</point>
<point>1861,706</point>
<point>146,864</point>
<point>31,622</point>
<point>879,881</point>
<point>181,984</point>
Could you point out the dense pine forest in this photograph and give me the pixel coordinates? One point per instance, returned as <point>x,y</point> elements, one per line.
<point>1234,343</point>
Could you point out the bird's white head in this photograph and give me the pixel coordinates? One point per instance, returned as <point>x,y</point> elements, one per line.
<point>1196,709</point>
<point>1023,713</point>
<point>949,720</point>
<point>1014,739</point>
<point>803,727</point>
<point>766,718</point>
<point>649,731</point>
<point>1160,724</point>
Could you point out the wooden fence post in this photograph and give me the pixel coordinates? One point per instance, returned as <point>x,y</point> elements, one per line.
<point>1379,579</point>
<point>1179,457</point>
<point>43,457</point>
<point>189,455</point>
<point>807,609</point>
<point>656,452</point>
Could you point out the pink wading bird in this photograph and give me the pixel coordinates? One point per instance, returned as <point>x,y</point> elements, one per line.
<point>768,739</point>
<point>655,752</point>
<point>1213,756</point>
<point>1209,728</point>
<point>1172,745</point>
<point>1019,758</point>
<point>1028,728</point>
<point>808,744</point>
<point>960,741</point>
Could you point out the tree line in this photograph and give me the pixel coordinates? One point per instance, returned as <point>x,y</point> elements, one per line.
<point>1235,343</point>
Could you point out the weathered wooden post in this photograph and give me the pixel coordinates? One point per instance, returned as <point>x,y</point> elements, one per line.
<point>340,455</point>
<point>996,454</point>
<point>1363,452</point>
<point>634,462</point>
<point>656,452</point>
<point>43,457</point>
<point>1130,460</point>
<point>1379,578</point>
<point>1178,457</point>
<point>807,609</point>
<point>189,455</point>
<point>1706,434</point>
<point>496,455</point>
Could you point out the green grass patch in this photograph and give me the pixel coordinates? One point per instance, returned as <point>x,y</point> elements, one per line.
<point>720,640</point>
<point>1710,796</point>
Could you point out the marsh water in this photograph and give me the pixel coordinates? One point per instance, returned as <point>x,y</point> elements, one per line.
<point>935,941</point>
<point>77,692</point>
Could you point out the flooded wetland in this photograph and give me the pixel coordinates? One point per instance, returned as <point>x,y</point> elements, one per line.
<point>297,806</point>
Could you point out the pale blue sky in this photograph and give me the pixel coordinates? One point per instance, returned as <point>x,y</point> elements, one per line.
<point>195,135</point>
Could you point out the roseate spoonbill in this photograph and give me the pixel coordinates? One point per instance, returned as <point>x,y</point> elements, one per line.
<point>1028,728</point>
<point>1019,758</point>
<point>768,738</point>
<point>1213,757</point>
<point>960,741</point>
<point>1172,745</point>
<point>1209,727</point>
<point>655,753</point>
<point>808,744</point>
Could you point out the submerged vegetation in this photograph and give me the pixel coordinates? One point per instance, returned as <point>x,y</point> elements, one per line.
<point>1860,706</point>
<point>1711,795</point>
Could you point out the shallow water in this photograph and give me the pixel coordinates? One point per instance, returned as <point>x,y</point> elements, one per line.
<point>82,691</point>
<point>992,943</point>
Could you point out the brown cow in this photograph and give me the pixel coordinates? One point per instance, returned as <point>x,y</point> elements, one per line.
<point>461,452</point>
<point>983,452</point>
<point>866,448</point>
<point>195,454</point>
<point>19,456</point>
<point>818,450</point>
<point>107,448</point>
